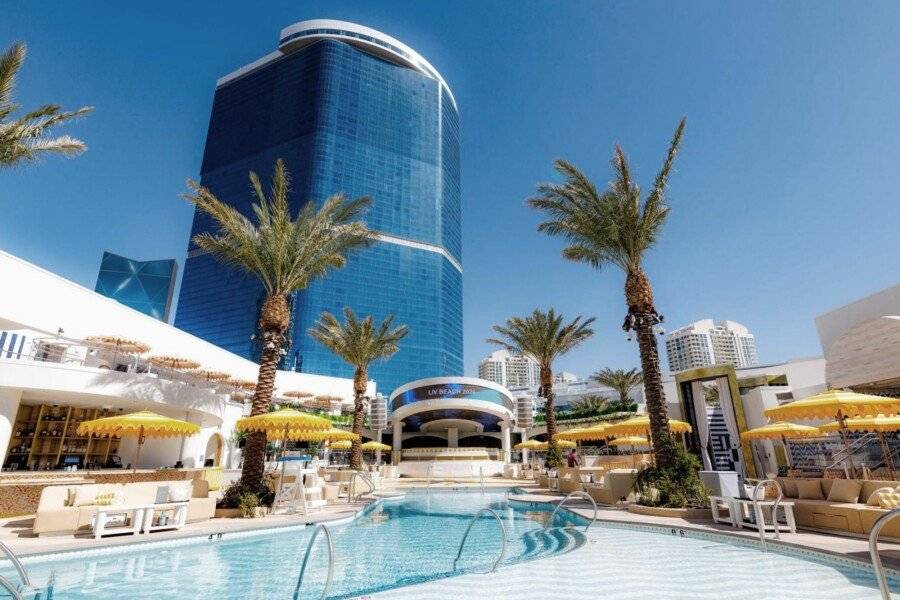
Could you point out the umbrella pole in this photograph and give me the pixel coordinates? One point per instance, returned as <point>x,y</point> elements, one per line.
<point>137,454</point>
<point>843,427</point>
<point>888,459</point>
<point>787,453</point>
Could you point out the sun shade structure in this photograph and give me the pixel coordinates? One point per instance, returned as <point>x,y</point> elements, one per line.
<point>640,425</point>
<point>584,434</point>
<point>879,424</point>
<point>276,423</point>
<point>528,445</point>
<point>630,440</point>
<point>210,375</point>
<point>119,344</point>
<point>839,405</point>
<point>375,447</point>
<point>835,404</point>
<point>173,362</point>
<point>141,424</point>
<point>779,430</point>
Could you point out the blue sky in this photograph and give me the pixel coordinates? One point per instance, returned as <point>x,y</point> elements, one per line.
<point>784,198</point>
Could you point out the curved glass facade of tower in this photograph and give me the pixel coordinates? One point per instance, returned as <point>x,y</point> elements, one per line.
<point>349,110</point>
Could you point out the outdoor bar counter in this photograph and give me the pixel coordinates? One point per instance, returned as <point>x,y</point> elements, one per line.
<point>20,491</point>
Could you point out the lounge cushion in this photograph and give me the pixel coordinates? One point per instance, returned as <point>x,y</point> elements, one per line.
<point>809,489</point>
<point>788,486</point>
<point>844,490</point>
<point>873,497</point>
<point>888,499</point>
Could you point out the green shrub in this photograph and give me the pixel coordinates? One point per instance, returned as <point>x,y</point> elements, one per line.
<point>677,486</point>
<point>248,504</point>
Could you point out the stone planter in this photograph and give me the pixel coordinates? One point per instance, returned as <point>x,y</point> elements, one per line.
<point>235,513</point>
<point>691,514</point>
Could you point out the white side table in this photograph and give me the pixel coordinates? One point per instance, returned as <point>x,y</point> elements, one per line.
<point>745,506</point>
<point>102,516</point>
<point>177,520</point>
<point>733,510</point>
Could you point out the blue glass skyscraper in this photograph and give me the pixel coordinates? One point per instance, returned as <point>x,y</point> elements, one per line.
<point>145,285</point>
<point>350,110</point>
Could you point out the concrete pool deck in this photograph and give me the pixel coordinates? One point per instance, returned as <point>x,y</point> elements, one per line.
<point>16,531</point>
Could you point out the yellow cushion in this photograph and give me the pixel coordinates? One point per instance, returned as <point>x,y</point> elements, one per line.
<point>873,497</point>
<point>844,490</point>
<point>105,499</point>
<point>888,499</point>
<point>809,489</point>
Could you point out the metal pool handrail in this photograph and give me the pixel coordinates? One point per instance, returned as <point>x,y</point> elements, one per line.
<point>16,563</point>
<point>9,587</point>
<point>351,490</point>
<point>880,575</point>
<point>569,495</point>
<point>312,540</point>
<point>761,524</point>
<point>481,478</point>
<point>469,529</point>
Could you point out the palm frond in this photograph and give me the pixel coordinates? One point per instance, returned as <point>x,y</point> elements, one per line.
<point>543,336</point>
<point>357,341</point>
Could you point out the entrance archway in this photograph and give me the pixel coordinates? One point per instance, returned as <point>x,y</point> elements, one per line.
<point>214,450</point>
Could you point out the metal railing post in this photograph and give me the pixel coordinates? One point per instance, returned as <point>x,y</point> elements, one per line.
<point>880,575</point>
<point>563,501</point>
<point>469,529</point>
<point>309,547</point>
<point>760,517</point>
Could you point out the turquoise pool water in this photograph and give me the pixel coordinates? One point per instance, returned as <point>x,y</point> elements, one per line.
<point>404,550</point>
<point>396,543</point>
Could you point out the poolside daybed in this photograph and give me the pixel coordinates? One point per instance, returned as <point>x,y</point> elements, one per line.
<point>841,505</point>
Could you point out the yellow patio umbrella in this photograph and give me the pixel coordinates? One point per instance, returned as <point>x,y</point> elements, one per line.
<point>838,405</point>
<point>544,446</point>
<point>640,425</point>
<point>341,445</point>
<point>314,435</point>
<point>276,425</point>
<point>119,344</point>
<point>585,434</point>
<point>528,445</point>
<point>141,424</point>
<point>298,394</point>
<point>178,363</point>
<point>781,430</point>
<point>628,440</point>
<point>375,447</point>
<point>242,384</point>
<point>879,424</point>
<point>209,375</point>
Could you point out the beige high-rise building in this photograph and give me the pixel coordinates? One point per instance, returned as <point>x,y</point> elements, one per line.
<point>510,370</point>
<point>705,343</point>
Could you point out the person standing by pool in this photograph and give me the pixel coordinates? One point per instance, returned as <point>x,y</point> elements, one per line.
<point>572,459</point>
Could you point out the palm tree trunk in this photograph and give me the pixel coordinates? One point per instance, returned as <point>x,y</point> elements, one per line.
<point>554,458</point>
<point>359,390</point>
<point>642,316</point>
<point>656,399</point>
<point>274,319</point>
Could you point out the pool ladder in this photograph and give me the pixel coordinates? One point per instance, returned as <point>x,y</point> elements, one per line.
<point>880,575</point>
<point>351,489</point>
<point>758,514</point>
<point>580,494</point>
<point>15,591</point>
<point>320,527</point>
<point>469,529</point>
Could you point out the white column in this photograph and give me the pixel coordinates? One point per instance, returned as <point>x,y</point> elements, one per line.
<point>378,452</point>
<point>398,441</point>
<point>9,407</point>
<point>453,437</point>
<point>504,430</point>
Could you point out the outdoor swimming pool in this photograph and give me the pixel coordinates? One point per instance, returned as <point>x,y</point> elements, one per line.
<point>397,544</point>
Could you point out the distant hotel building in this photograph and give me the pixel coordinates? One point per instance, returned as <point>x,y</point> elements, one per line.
<point>704,343</point>
<point>146,285</point>
<point>350,110</point>
<point>510,370</point>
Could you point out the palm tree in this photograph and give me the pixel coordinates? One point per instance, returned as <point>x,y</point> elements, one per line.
<point>618,227</point>
<point>590,405</point>
<point>543,337</point>
<point>285,253</point>
<point>359,343</point>
<point>22,139</point>
<point>620,381</point>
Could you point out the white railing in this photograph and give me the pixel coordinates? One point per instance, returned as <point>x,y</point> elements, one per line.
<point>760,517</point>
<point>569,495</point>
<point>351,488</point>
<point>880,575</point>
<point>309,547</point>
<point>20,569</point>
<point>469,529</point>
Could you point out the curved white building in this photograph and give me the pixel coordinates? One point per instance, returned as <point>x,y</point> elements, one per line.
<point>50,379</point>
<point>457,425</point>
